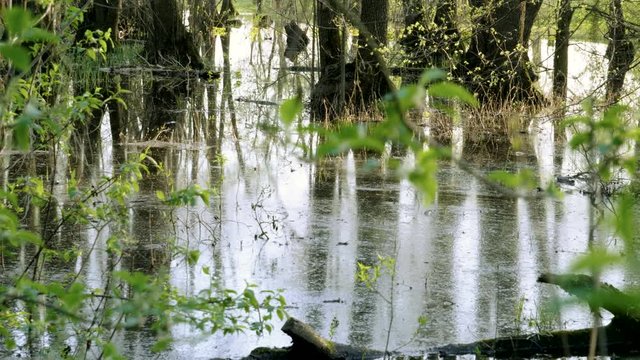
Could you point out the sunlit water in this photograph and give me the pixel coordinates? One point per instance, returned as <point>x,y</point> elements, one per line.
<point>468,262</point>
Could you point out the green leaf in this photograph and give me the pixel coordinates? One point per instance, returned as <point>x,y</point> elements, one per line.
<point>432,75</point>
<point>453,91</point>
<point>40,35</point>
<point>523,179</point>
<point>16,55</point>
<point>17,21</point>
<point>21,132</point>
<point>579,139</point>
<point>289,109</point>
<point>91,53</point>
<point>349,137</point>
<point>110,351</point>
<point>407,97</point>
<point>162,344</point>
<point>595,260</point>
<point>575,120</point>
<point>625,218</point>
<point>423,176</point>
<point>192,257</point>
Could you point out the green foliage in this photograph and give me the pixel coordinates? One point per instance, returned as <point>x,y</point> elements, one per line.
<point>604,138</point>
<point>41,112</point>
<point>187,196</point>
<point>525,179</point>
<point>20,28</point>
<point>95,42</point>
<point>290,108</point>
<point>394,129</point>
<point>368,275</point>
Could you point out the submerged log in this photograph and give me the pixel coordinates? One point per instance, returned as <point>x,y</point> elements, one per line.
<point>617,338</point>
<point>597,295</point>
<point>306,339</point>
<point>308,344</point>
<point>164,72</point>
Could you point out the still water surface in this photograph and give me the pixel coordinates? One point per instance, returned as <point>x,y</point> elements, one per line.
<point>468,262</point>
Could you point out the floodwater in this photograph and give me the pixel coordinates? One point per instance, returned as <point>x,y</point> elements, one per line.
<point>468,262</point>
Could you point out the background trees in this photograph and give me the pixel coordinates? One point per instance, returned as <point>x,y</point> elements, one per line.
<point>484,43</point>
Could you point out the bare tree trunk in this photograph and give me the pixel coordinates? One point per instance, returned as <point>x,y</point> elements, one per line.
<point>358,83</point>
<point>415,32</point>
<point>169,41</point>
<point>328,34</point>
<point>561,55</point>
<point>496,66</point>
<point>103,15</point>
<point>375,17</point>
<point>372,84</point>
<point>620,52</point>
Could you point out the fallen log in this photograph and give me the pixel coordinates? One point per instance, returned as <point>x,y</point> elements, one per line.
<point>618,338</point>
<point>597,294</point>
<point>308,344</point>
<point>164,72</point>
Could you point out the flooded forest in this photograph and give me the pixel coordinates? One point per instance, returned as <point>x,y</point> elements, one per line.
<point>320,179</point>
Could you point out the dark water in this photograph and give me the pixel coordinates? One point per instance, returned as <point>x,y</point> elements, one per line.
<point>468,262</point>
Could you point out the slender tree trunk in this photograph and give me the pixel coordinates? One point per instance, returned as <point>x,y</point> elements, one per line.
<point>620,52</point>
<point>561,55</point>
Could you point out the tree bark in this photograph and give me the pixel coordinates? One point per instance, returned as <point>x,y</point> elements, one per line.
<point>169,41</point>
<point>561,55</point>
<point>328,35</point>
<point>620,52</point>
<point>371,83</point>
<point>496,66</point>
<point>415,32</point>
<point>430,42</point>
<point>103,15</point>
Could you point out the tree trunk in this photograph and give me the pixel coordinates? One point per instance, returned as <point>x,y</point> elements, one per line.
<point>445,36</point>
<point>620,52</point>
<point>415,34</point>
<point>430,43</point>
<point>359,83</point>
<point>169,40</point>
<point>561,55</point>
<point>496,66</point>
<point>328,35</point>
<point>103,15</point>
<point>326,98</point>
<point>371,84</point>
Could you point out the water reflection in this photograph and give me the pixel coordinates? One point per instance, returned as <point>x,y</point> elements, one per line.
<point>465,261</point>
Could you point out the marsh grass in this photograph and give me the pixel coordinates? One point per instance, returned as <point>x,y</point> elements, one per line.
<point>93,73</point>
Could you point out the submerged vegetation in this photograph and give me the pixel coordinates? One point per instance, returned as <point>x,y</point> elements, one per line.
<point>67,70</point>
